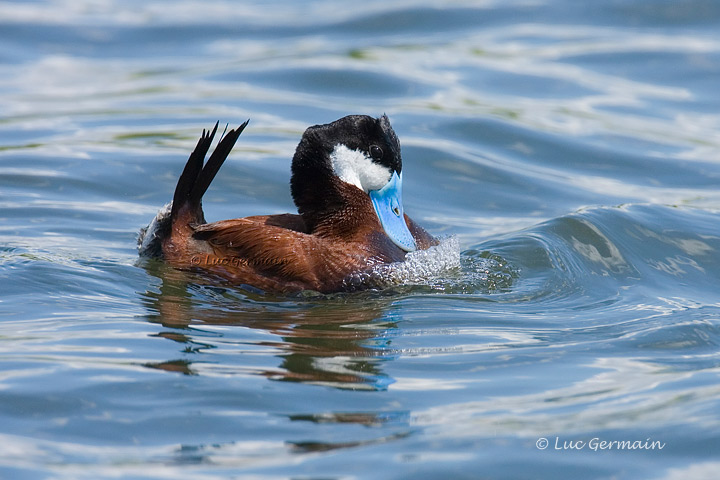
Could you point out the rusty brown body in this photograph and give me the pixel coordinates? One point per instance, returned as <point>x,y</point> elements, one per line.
<point>275,253</point>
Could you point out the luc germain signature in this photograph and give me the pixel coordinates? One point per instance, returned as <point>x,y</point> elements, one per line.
<point>597,444</point>
<point>208,260</point>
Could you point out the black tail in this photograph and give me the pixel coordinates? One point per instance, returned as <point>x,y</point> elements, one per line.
<point>196,178</point>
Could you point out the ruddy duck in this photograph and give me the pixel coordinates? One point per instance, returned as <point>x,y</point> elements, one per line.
<point>347,185</point>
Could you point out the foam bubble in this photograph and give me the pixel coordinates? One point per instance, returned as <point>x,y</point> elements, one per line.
<point>421,267</point>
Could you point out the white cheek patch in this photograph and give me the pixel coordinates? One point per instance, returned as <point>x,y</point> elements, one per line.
<point>355,168</point>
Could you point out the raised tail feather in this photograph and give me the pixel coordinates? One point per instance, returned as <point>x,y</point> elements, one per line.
<point>196,178</point>
<point>193,183</point>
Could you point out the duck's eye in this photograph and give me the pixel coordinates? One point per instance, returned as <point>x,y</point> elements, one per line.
<point>376,152</point>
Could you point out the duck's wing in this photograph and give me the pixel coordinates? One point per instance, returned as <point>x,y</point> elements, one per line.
<point>279,252</point>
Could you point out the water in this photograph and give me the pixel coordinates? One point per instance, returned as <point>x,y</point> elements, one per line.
<point>568,150</point>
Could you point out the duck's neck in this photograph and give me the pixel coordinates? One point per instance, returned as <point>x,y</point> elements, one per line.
<point>345,213</point>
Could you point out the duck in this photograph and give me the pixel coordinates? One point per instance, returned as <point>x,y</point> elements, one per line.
<point>346,182</point>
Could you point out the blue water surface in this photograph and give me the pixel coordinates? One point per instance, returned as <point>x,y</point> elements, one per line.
<point>570,151</point>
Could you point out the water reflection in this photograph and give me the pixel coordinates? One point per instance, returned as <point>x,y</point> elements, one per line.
<point>339,342</point>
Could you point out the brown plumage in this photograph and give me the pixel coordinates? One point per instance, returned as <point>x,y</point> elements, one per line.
<point>337,233</point>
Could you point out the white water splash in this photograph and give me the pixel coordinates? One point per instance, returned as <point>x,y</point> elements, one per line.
<point>421,267</point>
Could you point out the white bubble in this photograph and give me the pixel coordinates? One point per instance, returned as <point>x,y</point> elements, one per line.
<point>421,267</point>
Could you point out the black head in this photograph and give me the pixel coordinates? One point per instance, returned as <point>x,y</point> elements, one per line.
<point>358,150</point>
